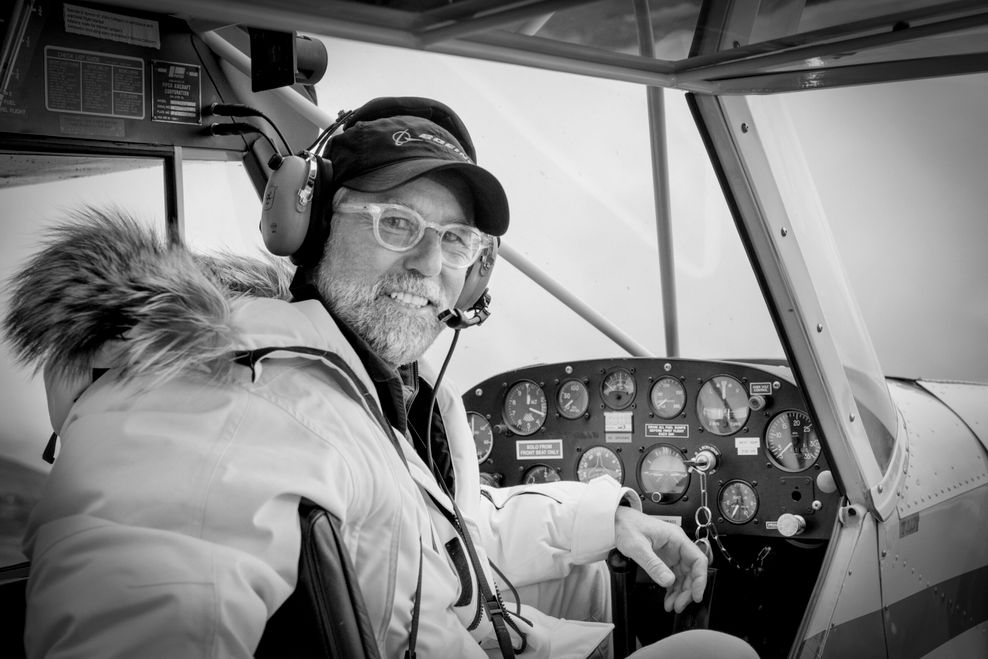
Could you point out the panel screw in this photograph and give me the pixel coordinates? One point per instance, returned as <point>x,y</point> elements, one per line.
<point>819,327</point>
<point>744,128</point>
<point>785,232</point>
<point>478,392</point>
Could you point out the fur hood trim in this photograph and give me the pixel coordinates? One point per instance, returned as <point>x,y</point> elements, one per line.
<point>106,283</point>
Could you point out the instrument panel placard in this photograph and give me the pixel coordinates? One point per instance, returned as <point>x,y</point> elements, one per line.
<point>539,449</point>
<point>667,430</point>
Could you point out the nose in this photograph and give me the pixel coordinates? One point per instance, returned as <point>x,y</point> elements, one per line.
<point>426,257</point>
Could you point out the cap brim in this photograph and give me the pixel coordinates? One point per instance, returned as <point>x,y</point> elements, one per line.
<point>490,201</point>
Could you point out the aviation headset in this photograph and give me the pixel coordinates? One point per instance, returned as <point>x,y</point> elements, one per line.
<point>301,187</point>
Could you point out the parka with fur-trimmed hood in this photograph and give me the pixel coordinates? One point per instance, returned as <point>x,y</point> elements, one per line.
<point>169,525</point>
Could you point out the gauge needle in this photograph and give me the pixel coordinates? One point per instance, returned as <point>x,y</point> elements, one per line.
<point>785,448</point>
<point>734,511</point>
<point>535,409</point>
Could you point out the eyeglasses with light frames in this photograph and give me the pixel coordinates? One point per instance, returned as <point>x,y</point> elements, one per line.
<point>400,228</point>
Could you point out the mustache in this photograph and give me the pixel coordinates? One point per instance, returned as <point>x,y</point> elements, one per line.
<point>407,283</point>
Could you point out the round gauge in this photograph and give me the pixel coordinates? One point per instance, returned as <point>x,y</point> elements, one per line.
<point>618,389</point>
<point>668,397</point>
<point>539,474</point>
<point>738,502</point>
<point>791,441</point>
<point>599,461</point>
<point>483,435</point>
<point>663,474</point>
<point>722,405</point>
<point>572,399</point>
<point>525,407</point>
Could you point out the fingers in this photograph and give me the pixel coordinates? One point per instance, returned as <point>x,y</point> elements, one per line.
<point>642,553</point>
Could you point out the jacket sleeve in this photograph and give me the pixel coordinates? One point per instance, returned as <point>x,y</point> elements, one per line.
<point>151,542</point>
<point>538,532</point>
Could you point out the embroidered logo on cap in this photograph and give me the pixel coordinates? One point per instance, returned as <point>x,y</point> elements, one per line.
<point>403,137</point>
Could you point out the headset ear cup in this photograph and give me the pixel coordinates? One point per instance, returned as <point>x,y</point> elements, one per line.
<point>287,205</point>
<point>478,276</point>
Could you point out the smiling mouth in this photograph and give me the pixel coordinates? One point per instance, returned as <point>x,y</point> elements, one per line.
<point>409,299</point>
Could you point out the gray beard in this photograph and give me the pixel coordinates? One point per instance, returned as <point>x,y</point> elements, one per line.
<point>396,335</point>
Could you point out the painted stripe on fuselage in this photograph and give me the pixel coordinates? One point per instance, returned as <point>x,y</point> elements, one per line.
<point>918,624</point>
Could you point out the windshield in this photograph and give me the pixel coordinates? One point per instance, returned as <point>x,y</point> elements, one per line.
<point>897,169</point>
<point>872,177</point>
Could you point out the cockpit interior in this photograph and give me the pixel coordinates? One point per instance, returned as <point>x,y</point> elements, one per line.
<point>744,279</point>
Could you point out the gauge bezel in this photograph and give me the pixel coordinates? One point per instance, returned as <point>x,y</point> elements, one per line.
<point>720,501</point>
<point>641,484</point>
<point>504,408</point>
<point>540,465</point>
<point>586,394</point>
<point>651,403</point>
<point>702,419</point>
<point>614,453</point>
<point>490,429</point>
<point>775,461</point>
<point>634,388</point>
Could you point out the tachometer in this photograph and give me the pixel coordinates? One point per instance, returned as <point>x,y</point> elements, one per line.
<point>668,397</point>
<point>525,407</point>
<point>483,435</point>
<point>722,405</point>
<point>618,389</point>
<point>540,474</point>
<point>663,474</point>
<point>572,399</point>
<point>738,502</point>
<point>791,441</point>
<point>599,461</point>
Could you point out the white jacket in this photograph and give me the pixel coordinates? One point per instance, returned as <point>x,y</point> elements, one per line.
<point>168,527</point>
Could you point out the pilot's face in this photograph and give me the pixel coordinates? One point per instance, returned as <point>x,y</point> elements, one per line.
<point>391,299</point>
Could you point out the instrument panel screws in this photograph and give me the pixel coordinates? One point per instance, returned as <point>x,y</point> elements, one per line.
<point>819,327</point>
<point>785,232</point>
<point>568,370</point>
<point>667,367</point>
<point>744,128</point>
<point>478,392</point>
<point>851,416</point>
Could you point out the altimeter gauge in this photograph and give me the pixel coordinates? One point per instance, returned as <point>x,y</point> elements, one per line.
<point>525,407</point>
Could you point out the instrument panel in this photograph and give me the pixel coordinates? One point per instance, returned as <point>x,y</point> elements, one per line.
<point>654,425</point>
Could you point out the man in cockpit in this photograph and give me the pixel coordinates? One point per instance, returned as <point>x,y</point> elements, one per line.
<point>202,401</point>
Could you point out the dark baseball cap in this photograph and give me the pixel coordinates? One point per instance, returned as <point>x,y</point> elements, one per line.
<point>378,155</point>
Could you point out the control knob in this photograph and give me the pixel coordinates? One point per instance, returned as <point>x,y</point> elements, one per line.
<point>791,525</point>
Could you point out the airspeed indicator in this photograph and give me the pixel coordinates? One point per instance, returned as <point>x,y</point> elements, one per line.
<point>791,441</point>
